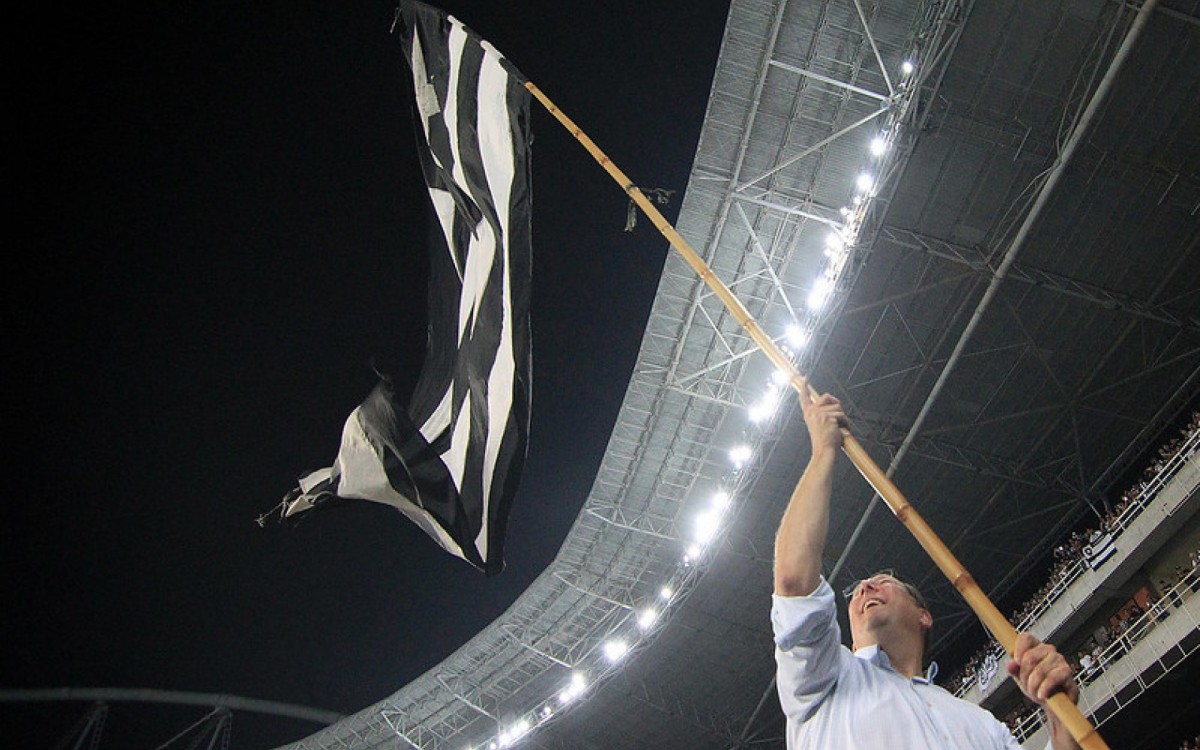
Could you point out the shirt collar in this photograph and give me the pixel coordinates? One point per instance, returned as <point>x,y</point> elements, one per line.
<point>879,658</point>
<point>874,655</point>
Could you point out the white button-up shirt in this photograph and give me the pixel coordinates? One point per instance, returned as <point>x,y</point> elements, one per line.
<point>838,700</point>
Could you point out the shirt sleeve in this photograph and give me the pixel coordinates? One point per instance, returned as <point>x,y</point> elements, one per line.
<point>808,649</point>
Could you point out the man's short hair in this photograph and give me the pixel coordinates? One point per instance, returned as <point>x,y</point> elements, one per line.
<point>912,590</point>
<point>915,593</point>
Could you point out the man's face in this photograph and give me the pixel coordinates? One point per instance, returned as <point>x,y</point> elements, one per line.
<point>881,604</point>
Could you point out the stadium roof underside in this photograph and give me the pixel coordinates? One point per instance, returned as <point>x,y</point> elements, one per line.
<point>1014,318</point>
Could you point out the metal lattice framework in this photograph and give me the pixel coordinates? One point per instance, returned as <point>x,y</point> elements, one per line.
<point>1089,347</point>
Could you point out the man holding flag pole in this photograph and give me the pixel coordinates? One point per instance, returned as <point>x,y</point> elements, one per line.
<point>878,695</point>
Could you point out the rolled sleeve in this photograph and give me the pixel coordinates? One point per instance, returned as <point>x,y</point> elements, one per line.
<point>808,649</point>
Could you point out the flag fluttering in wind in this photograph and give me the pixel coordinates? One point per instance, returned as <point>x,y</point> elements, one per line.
<point>451,460</point>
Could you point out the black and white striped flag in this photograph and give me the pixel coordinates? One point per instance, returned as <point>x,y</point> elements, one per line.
<point>451,461</point>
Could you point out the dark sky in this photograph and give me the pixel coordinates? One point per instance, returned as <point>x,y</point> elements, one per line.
<point>219,226</point>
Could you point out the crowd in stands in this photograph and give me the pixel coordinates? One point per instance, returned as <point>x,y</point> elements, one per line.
<point>1192,744</point>
<point>1069,560</point>
<point>1135,620</point>
<point>1126,627</point>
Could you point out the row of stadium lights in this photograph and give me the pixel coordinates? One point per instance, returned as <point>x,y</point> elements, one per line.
<point>707,523</point>
<point>837,252</point>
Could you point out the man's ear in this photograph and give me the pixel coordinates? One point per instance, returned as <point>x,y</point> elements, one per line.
<point>926,620</point>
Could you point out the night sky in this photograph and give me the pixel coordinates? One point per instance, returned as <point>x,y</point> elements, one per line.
<point>220,230</point>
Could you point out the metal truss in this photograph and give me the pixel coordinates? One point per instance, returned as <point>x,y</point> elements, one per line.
<point>1052,474</point>
<point>89,730</point>
<point>670,703</point>
<point>980,260</point>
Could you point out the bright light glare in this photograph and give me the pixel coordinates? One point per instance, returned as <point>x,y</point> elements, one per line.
<point>720,499</point>
<point>765,408</point>
<point>707,525</point>
<point>834,241</point>
<point>693,552</point>
<point>865,182</point>
<point>573,690</point>
<point>878,145</point>
<point>907,67</point>
<point>614,650</point>
<point>781,377</point>
<point>820,293</point>
<point>646,618</point>
<point>760,413</point>
<point>740,455</point>
<point>514,733</point>
<point>666,593</point>
<point>797,336</point>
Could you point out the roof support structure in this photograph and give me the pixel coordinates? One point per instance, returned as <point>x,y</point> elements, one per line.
<point>978,260</point>
<point>1035,211</point>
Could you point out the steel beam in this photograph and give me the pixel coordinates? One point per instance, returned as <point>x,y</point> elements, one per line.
<point>976,258</point>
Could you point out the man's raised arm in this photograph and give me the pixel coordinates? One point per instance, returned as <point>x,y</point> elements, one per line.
<point>801,537</point>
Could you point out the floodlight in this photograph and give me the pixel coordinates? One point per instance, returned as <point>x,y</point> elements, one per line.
<point>614,650</point>
<point>740,455</point>
<point>759,413</point>
<point>764,409</point>
<point>797,336</point>
<point>573,690</point>
<point>820,293</point>
<point>646,618</point>
<point>707,525</point>
<point>514,733</point>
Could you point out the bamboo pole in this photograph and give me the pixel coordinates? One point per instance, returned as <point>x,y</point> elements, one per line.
<point>1000,628</point>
